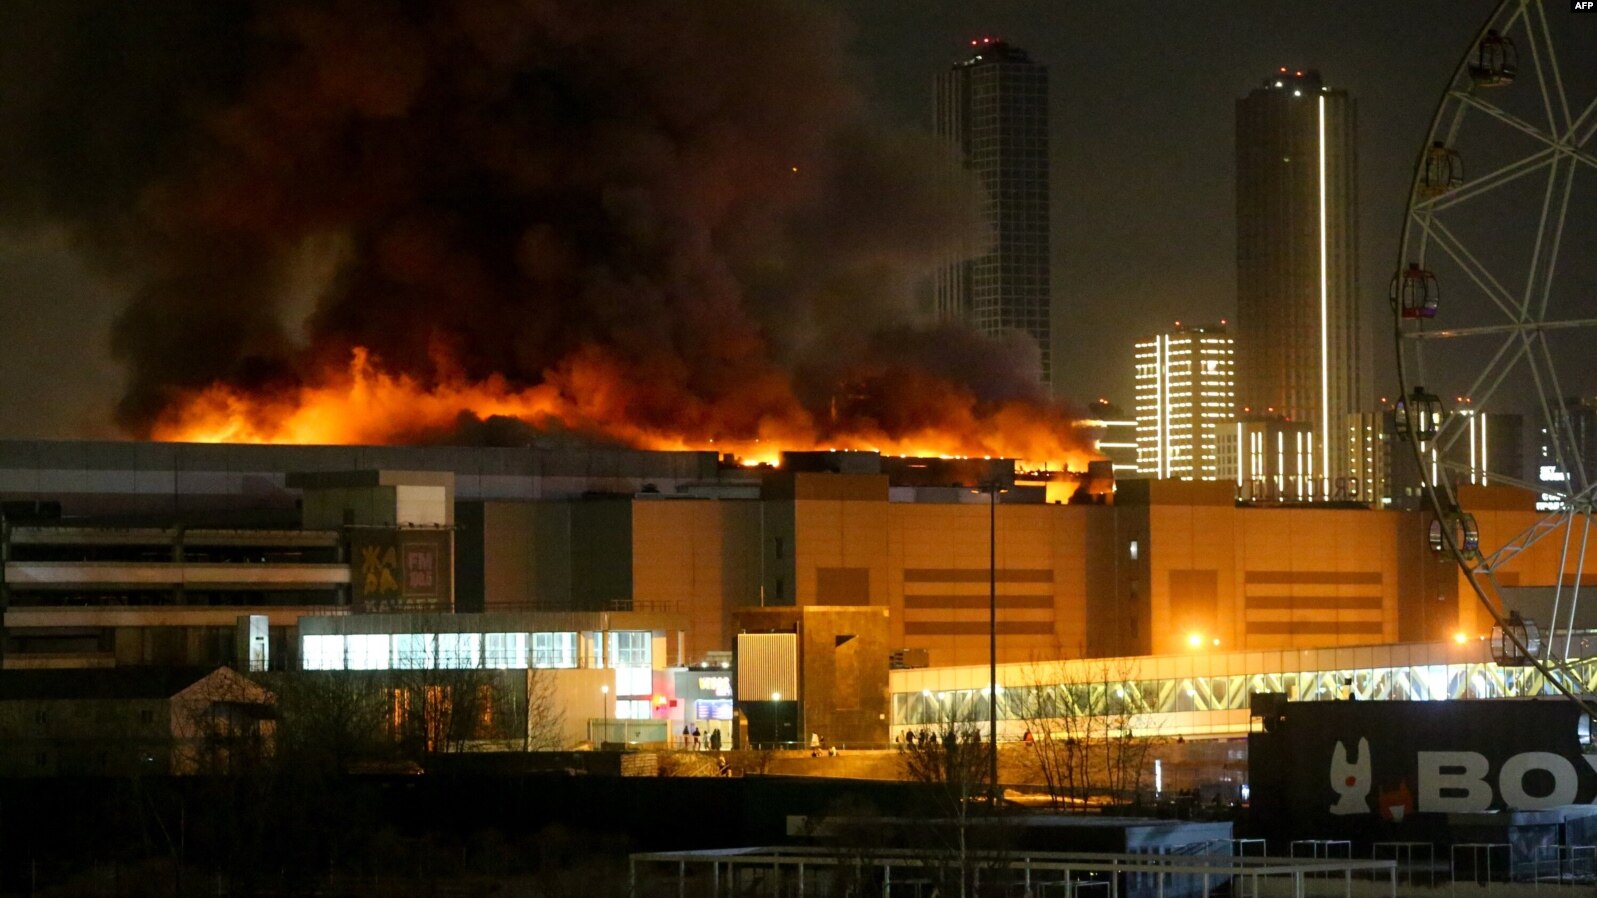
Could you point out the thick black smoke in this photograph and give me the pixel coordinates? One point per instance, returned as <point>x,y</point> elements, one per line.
<point>695,189</point>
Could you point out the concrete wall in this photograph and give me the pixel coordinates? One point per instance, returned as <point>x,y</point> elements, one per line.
<point>524,550</point>
<point>842,655</point>
<point>699,558</point>
<point>941,575</point>
<point>556,555</point>
<point>59,737</point>
<point>1116,619</point>
<point>97,477</point>
<point>929,566</point>
<point>1170,561</point>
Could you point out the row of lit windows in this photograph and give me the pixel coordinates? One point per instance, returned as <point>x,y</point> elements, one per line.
<point>466,651</point>
<point>1116,697</point>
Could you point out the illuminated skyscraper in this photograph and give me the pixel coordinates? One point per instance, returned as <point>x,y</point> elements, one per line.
<point>993,107</point>
<point>1298,320</point>
<point>1184,402</point>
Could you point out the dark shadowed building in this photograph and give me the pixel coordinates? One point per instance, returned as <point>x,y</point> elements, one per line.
<point>993,108</point>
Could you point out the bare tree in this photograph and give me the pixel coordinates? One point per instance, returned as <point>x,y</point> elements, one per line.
<point>1057,716</point>
<point>1125,748</point>
<point>474,709</point>
<point>951,757</point>
<point>543,719</point>
<point>1085,743</point>
<point>332,721</point>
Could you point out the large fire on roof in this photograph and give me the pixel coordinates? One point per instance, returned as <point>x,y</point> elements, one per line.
<point>364,403</point>
<point>661,225</point>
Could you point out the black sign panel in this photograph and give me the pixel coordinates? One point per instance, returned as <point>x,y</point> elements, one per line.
<point>1356,763</point>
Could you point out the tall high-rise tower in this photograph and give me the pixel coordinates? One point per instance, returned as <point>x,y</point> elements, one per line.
<point>993,107</point>
<point>1297,313</point>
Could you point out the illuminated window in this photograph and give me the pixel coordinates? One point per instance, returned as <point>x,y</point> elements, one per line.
<point>632,709</point>
<point>415,651</point>
<point>485,709</point>
<point>459,651</point>
<point>368,651</point>
<point>322,652</point>
<point>631,648</point>
<point>507,651</point>
<point>554,649</point>
<point>634,681</point>
<point>400,709</point>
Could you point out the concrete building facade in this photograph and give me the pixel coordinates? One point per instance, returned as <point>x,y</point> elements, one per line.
<point>915,551</point>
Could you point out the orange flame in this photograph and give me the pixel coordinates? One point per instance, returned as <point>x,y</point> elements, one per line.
<point>590,394</point>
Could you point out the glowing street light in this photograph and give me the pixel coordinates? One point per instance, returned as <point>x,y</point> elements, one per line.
<point>776,719</point>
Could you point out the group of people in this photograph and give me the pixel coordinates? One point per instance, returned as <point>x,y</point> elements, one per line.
<point>693,741</point>
<point>818,746</point>
<point>925,738</point>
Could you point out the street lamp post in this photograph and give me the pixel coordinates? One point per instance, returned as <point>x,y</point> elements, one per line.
<point>992,489</point>
<point>604,708</point>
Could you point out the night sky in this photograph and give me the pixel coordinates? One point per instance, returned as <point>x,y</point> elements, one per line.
<point>1142,129</point>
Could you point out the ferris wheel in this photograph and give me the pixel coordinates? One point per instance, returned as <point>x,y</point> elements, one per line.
<point>1494,302</point>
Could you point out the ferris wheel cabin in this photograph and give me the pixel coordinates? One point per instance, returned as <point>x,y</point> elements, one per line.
<point>1496,61</point>
<point>1441,171</point>
<point>1415,292</point>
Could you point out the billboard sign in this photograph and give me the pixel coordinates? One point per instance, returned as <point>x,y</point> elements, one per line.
<point>1357,762</point>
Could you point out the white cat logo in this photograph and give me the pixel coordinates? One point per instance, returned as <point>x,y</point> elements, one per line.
<point>1351,780</point>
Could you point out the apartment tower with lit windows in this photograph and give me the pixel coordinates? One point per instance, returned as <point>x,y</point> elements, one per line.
<point>1185,397</point>
<point>992,108</point>
<point>1297,335</point>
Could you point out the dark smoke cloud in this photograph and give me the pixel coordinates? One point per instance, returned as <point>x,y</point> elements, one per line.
<point>693,190</point>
